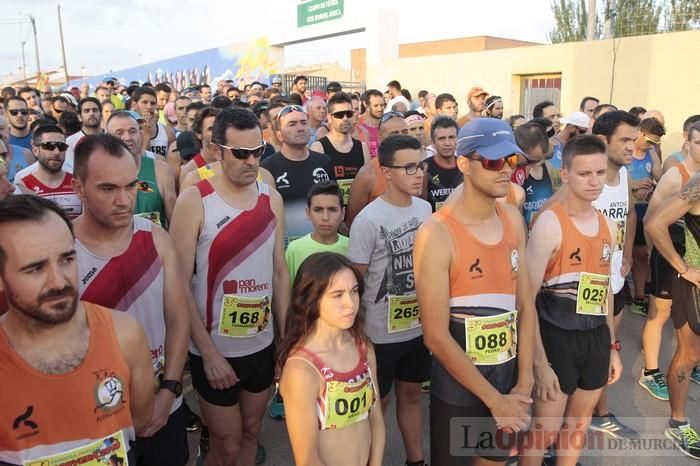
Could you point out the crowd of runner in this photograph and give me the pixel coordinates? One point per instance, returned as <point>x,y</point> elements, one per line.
<point>312,254</point>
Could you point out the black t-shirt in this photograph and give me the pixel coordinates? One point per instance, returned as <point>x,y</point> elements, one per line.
<point>293,179</point>
<point>441,182</point>
<point>345,164</point>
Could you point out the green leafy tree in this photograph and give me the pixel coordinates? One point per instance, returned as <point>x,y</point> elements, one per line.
<point>636,17</point>
<point>571,17</point>
<point>682,15</point>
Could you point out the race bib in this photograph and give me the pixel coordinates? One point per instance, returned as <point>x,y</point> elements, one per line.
<point>345,189</point>
<point>347,402</point>
<point>96,453</point>
<point>205,172</point>
<point>243,317</point>
<point>152,216</point>
<point>592,293</point>
<point>491,340</point>
<point>404,313</point>
<point>438,205</point>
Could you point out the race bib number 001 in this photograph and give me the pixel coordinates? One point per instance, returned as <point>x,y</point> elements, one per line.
<point>347,402</point>
<point>491,340</point>
<point>592,294</point>
<point>243,316</point>
<point>404,313</point>
<point>96,453</point>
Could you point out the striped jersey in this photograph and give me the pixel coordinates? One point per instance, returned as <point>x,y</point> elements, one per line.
<point>63,194</point>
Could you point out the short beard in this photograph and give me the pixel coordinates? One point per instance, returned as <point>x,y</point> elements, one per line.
<point>48,168</point>
<point>42,319</point>
<point>19,127</point>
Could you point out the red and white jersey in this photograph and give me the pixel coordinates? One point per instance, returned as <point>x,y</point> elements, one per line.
<point>233,281</point>
<point>63,195</point>
<point>133,282</point>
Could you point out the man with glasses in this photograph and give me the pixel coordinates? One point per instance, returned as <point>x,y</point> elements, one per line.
<point>295,169</point>
<point>537,171</point>
<point>59,104</point>
<point>17,114</point>
<point>15,158</point>
<point>381,247</point>
<point>347,154</point>
<point>473,291</point>
<point>231,229</point>
<point>49,179</point>
<point>575,124</point>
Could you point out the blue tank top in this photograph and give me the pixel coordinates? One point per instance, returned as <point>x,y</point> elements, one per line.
<point>18,162</point>
<point>556,154</point>
<point>641,169</point>
<point>536,194</point>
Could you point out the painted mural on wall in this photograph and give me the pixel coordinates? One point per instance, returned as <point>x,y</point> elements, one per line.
<point>243,63</point>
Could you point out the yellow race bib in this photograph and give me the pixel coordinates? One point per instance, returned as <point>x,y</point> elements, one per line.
<point>344,186</point>
<point>438,205</point>
<point>94,454</point>
<point>347,402</point>
<point>205,172</point>
<point>242,316</point>
<point>491,340</point>
<point>592,293</point>
<point>404,313</point>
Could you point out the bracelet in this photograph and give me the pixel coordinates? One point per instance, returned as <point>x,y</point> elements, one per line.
<point>680,274</point>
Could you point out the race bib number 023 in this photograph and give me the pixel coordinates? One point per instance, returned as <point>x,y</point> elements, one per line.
<point>404,313</point>
<point>592,294</point>
<point>96,453</point>
<point>491,340</point>
<point>243,316</point>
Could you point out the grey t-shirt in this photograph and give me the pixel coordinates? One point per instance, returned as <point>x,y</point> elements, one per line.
<point>382,236</point>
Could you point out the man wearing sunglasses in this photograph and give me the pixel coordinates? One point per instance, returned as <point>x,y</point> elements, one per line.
<point>231,227</point>
<point>537,171</point>
<point>16,158</point>
<point>575,124</point>
<point>17,114</point>
<point>473,287</point>
<point>381,247</point>
<point>48,179</point>
<point>295,169</point>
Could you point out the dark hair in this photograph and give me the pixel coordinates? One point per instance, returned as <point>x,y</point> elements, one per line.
<point>586,144</point>
<point>206,112</point>
<point>182,97</point>
<point>195,106</point>
<point>44,121</point>
<point>85,100</point>
<point>395,84</point>
<point>607,123</point>
<point>693,128</point>
<point>406,94</point>
<point>278,101</point>
<point>512,118</point>
<point>130,90</point>
<point>295,99</point>
<point>544,123</point>
<point>443,122</point>
<point>324,187</point>
<point>147,84</point>
<point>22,90</point>
<point>312,280</point>
<point>233,118</point>
<point>394,143</point>
<point>109,102</point>
<point>260,108</point>
<point>163,87</point>
<point>220,102</point>
<point>141,91</point>
<point>70,123</point>
<point>586,99</point>
<point>8,91</point>
<point>59,98</point>
<point>339,98</point>
<point>44,129</point>
<point>601,107</point>
<point>422,93</point>
<point>14,98</point>
<point>369,93</point>
<point>441,99</point>
<point>28,208</point>
<point>652,126</point>
<point>301,77</point>
<point>637,111</point>
<point>89,144</point>
<point>204,85</point>
<point>690,121</point>
<point>531,135</point>
<point>538,111</point>
<point>101,87</point>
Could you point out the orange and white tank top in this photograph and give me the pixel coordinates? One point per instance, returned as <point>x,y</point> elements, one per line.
<point>576,281</point>
<point>82,416</point>
<point>234,264</point>
<point>346,397</point>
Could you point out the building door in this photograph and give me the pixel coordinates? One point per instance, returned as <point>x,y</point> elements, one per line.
<point>537,88</point>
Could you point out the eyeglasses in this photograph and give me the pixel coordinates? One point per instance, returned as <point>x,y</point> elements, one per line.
<point>411,168</point>
<point>242,153</point>
<point>343,114</point>
<point>582,130</point>
<point>495,165</point>
<point>16,112</point>
<point>551,132</point>
<point>290,109</point>
<point>651,141</point>
<point>51,146</point>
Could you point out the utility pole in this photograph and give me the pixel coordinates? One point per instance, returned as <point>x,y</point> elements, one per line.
<point>63,47</point>
<point>36,45</point>
<point>590,28</point>
<point>24,64</point>
<point>610,14</point>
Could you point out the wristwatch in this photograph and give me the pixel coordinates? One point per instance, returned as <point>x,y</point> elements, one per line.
<point>172,385</point>
<point>617,346</point>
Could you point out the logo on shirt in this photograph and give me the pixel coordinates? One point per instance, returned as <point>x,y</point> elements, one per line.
<point>282,181</point>
<point>109,393</point>
<point>222,222</point>
<point>320,174</point>
<point>605,257</point>
<point>89,275</point>
<point>514,260</point>
<point>144,187</point>
<point>243,286</point>
<point>575,257</point>
<point>339,171</point>
<point>475,269</point>
<point>24,422</point>
<point>529,190</point>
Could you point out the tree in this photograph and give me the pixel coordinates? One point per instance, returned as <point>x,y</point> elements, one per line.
<point>571,17</point>
<point>636,17</point>
<point>682,15</point>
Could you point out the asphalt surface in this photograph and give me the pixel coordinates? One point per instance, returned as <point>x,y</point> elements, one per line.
<point>627,400</point>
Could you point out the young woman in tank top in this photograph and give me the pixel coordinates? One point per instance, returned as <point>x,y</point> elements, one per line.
<point>328,368</point>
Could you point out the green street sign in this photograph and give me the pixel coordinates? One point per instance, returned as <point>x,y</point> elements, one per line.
<point>318,11</point>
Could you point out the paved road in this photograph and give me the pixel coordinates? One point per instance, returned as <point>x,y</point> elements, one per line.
<point>627,400</point>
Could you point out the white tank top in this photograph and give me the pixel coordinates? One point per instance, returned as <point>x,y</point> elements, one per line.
<point>159,142</point>
<point>614,203</point>
<point>233,285</point>
<point>134,282</point>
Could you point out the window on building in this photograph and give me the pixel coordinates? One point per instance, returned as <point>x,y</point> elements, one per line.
<point>536,88</point>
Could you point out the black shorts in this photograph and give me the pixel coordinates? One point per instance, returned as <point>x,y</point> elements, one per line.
<point>457,432</point>
<point>641,210</point>
<point>255,372</point>
<point>580,358</point>
<point>662,273</point>
<point>618,302</point>
<point>686,305</point>
<point>407,361</point>
<point>168,446</point>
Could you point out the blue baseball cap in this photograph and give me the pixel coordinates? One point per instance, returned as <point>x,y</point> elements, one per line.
<point>492,138</point>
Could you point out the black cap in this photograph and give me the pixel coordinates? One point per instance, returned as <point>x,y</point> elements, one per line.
<point>333,86</point>
<point>187,145</point>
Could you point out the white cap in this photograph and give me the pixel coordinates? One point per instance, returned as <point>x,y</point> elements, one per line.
<point>579,119</point>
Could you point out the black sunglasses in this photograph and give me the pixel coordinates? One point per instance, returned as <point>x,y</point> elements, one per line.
<point>242,153</point>
<point>16,112</point>
<point>343,114</point>
<point>389,115</point>
<point>50,146</point>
